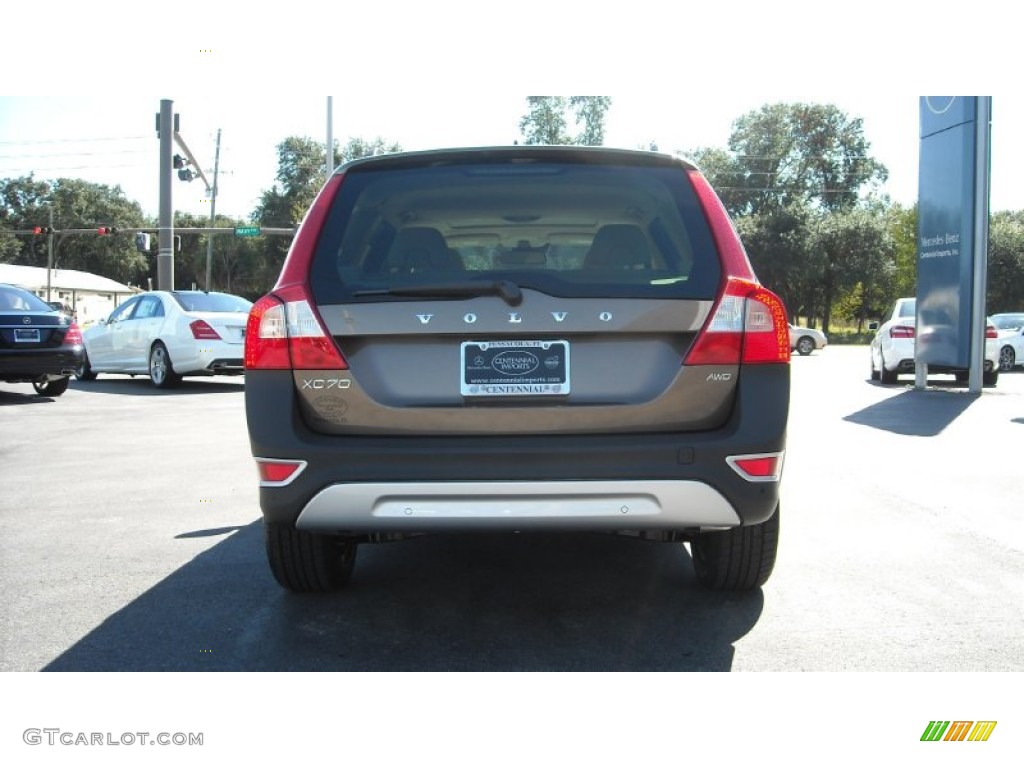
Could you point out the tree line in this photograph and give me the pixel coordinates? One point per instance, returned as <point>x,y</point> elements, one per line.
<point>798,179</point>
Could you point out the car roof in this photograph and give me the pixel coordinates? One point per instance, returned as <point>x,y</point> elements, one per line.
<point>500,154</point>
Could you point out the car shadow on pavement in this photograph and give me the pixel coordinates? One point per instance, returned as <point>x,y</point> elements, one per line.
<point>20,398</point>
<point>141,386</point>
<point>434,603</point>
<point>924,413</point>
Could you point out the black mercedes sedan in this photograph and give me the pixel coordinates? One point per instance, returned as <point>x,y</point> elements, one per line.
<point>38,344</point>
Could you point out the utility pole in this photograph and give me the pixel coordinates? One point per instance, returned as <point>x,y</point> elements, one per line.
<point>213,213</point>
<point>330,137</point>
<point>165,254</point>
<point>49,252</point>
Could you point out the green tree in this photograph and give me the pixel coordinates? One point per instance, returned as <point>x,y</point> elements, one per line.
<point>796,152</point>
<point>545,121</point>
<point>848,248</point>
<point>74,204</point>
<point>1005,262</point>
<point>301,173</point>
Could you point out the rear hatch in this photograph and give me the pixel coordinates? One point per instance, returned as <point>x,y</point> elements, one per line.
<point>529,290</point>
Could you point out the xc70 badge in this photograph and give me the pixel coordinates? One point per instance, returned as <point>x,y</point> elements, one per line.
<point>326,383</point>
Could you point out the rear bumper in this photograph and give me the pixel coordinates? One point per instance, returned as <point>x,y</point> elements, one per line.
<point>683,480</point>
<point>27,365</point>
<point>585,505</point>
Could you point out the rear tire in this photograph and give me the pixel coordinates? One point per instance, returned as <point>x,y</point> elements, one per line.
<point>309,562</point>
<point>84,371</point>
<point>52,388</point>
<point>161,370</point>
<point>805,345</point>
<point>741,558</point>
<point>888,377</point>
<point>990,378</point>
<point>875,376</point>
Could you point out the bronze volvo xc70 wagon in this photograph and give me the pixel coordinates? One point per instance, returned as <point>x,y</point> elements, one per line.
<point>516,339</point>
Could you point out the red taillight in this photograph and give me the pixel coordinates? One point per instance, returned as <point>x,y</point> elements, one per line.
<point>277,472</point>
<point>901,332</point>
<point>758,467</point>
<point>747,325</point>
<point>284,332</point>
<point>991,332</point>
<point>73,336</point>
<point>202,330</point>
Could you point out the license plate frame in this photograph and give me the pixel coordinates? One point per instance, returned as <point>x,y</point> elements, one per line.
<point>515,368</point>
<point>26,335</point>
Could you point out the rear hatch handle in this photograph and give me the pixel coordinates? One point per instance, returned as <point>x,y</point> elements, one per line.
<point>506,289</point>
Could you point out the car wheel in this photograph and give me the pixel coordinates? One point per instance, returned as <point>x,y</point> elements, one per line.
<point>888,377</point>
<point>738,559</point>
<point>84,371</point>
<point>990,378</point>
<point>309,562</point>
<point>161,370</point>
<point>874,371</point>
<point>1007,359</point>
<point>805,345</point>
<point>51,387</point>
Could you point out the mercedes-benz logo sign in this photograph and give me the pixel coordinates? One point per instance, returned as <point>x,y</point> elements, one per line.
<point>27,320</point>
<point>939,104</point>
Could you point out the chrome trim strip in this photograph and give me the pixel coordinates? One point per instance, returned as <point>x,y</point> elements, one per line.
<point>554,505</point>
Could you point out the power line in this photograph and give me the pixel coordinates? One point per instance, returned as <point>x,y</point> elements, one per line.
<point>63,141</point>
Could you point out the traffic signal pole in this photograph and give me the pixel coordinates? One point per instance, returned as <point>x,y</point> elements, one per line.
<point>165,254</point>
<point>213,214</point>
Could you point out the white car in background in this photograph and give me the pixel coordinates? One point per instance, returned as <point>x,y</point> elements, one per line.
<point>167,335</point>
<point>1010,326</point>
<point>806,340</point>
<point>893,345</point>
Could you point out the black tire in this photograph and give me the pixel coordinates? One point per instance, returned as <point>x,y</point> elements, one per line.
<point>309,562</point>
<point>805,345</point>
<point>990,378</point>
<point>84,371</point>
<point>875,376</point>
<point>161,369</point>
<point>741,558</point>
<point>52,388</point>
<point>1007,358</point>
<point>888,377</point>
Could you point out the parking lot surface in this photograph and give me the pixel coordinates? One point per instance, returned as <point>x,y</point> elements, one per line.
<point>130,540</point>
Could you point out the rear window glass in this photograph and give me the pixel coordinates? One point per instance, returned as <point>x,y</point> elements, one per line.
<point>565,229</point>
<point>212,302</point>
<point>18,300</point>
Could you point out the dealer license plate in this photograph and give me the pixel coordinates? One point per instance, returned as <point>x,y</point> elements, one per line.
<point>515,368</point>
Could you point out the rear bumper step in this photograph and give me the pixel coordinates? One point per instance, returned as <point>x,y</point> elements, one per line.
<point>578,505</point>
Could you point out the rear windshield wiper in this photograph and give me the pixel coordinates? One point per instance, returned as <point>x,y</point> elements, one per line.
<point>506,289</point>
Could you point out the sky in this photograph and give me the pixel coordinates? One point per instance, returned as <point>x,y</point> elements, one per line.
<point>429,75</point>
<point>53,136</point>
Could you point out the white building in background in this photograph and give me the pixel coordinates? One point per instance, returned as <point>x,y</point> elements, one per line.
<point>89,296</point>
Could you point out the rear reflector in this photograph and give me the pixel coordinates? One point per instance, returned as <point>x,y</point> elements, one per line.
<point>277,472</point>
<point>758,467</point>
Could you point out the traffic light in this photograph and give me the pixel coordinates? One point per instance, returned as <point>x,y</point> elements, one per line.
<point>179,161</point>
<point>142,241</point>
<point>106,231</point>
<point>185,174</point>
<point>41,230</point>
